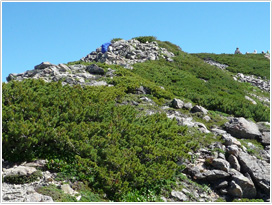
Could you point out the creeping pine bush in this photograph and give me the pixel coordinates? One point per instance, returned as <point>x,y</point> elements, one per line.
<point>116,39</point>
<point>144,39</point>
<point>84,133</point>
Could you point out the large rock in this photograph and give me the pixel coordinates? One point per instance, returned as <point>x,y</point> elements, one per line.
<point>20,170</point>
<point>177,103</point>
<point>259,170</point>
<point>265,138</point>
<point>142,90</point>
<point>215,174</point>
<point>233,149</point>
<point>221,164</point>
<point>234,163</point>
<point>43,65</point>
<point>188,106</point>
<point>94,69</point>
<point>36,197</point>
<point>235,190</point>
<point>242,128</point>
<point>198,108</point>
<point>245,183</point>
<point>229,140</point>
<point>263,126</point>
<point>179,195</point>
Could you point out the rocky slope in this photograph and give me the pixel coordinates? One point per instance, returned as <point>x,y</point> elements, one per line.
<point>234,167</point>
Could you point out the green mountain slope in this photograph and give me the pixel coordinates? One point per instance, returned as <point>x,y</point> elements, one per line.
<point>95,134</point>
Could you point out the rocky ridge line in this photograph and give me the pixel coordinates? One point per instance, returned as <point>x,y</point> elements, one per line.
<point>128,52</point>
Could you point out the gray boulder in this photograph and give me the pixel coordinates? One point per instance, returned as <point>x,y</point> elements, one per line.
<point>265,138</point>
<point>43,65</point>
<point>207,118</point>
<point>263,126</point>
<point>221,184</point>
<point>179,195</point>
<point>177,103</point>
<point>20,170</point>
<point>242,128</point>
<point>229,140</point>
<point>234,163</point>
<point>188,106</point>
<point>221,164</point>
<point>94,69</point>
<point>36,197</point>
<point>245,183</point>
<point>259,170</point>
<point>235,190</point>
<point>198,108</point>
<point>143,90</point>
<point>233,149</point>
<point>215,174</point>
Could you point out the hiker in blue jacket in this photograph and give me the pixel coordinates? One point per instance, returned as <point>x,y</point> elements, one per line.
<point>105,47</point>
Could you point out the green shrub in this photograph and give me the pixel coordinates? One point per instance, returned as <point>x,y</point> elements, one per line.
<point>56,194</point>
<point>23,179</point>
<point>86,136</point>
<point>144,39</point>
<point>116,39</point>
<point>248,200</point>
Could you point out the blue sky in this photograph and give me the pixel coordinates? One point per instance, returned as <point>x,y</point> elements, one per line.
<point>61,32</point>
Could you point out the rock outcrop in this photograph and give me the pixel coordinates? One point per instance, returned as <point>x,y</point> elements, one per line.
<point>72,75</point>
<point>128,52</point>
<point>235,174</point>
<point>253,80</point>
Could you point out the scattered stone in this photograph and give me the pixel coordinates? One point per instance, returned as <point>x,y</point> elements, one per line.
<point>67,189</point>
<point>255,81</point>
<point>251,100</point>
<point>218,65</point>
<point>142,90</point>
<point>179,195</point>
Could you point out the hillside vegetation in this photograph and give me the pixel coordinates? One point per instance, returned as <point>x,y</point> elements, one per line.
<point>88,134</point>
